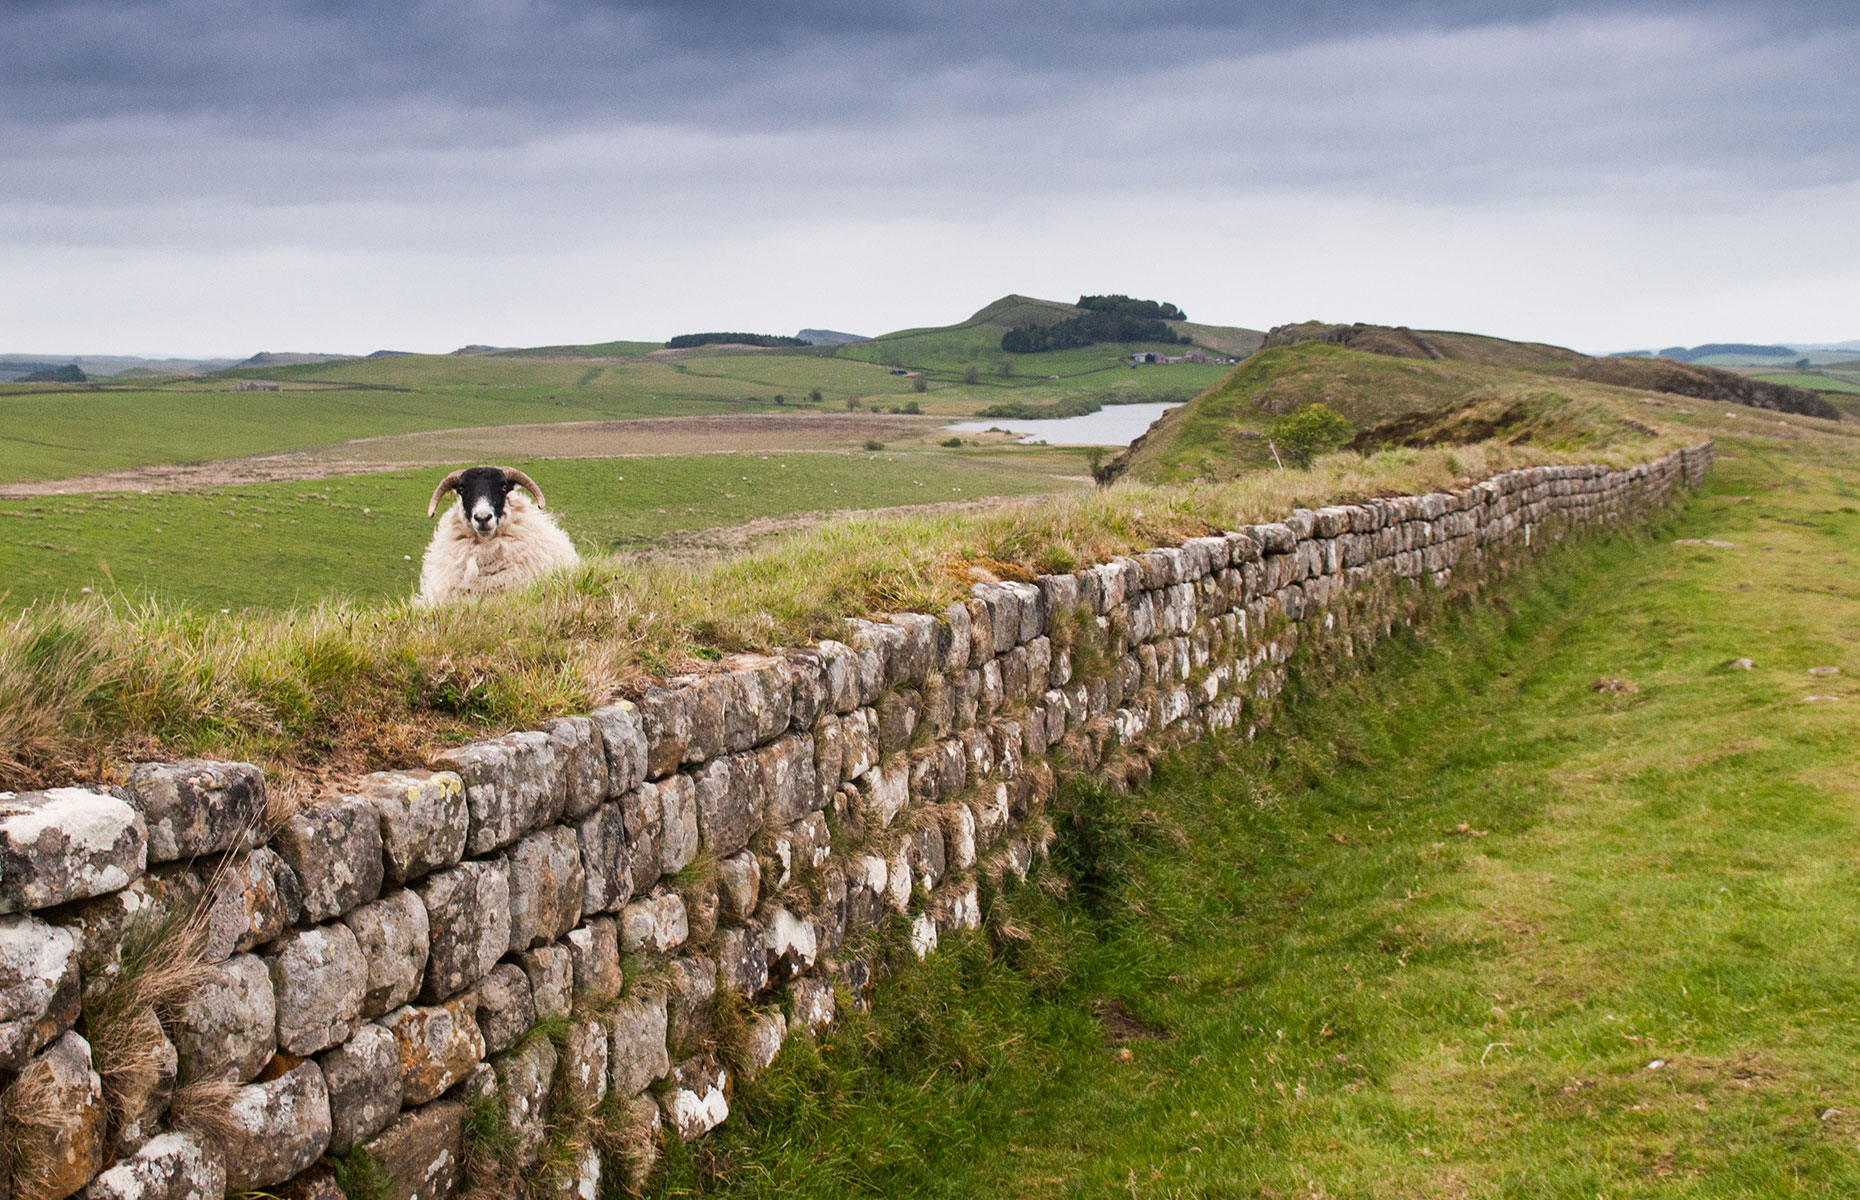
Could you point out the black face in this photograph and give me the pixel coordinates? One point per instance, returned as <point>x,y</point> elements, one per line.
<point>481,492</point>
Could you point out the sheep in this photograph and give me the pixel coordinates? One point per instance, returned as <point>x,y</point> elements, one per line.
<point>492,539</point>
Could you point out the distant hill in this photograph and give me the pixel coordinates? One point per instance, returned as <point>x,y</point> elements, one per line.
<point>830,337</point>
<point>269,358</point>
<point>1399,386</point>
<point>69,373</point>
<point>13,366</point>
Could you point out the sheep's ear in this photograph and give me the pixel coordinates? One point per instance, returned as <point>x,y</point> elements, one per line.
<point>445,485</point>
<point>514,476</point>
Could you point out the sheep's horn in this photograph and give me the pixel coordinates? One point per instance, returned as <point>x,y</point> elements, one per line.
<point>445,485</point>
<point>526,483</point>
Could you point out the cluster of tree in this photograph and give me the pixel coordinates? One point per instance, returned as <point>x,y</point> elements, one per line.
<point>686,341</point>
<point>66,374</point>
<point>1105,319</point>
<point>1124,306</point>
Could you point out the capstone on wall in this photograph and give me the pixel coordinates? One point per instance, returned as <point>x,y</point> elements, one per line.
<point>729,843</point>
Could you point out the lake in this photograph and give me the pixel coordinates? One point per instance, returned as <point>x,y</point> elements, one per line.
<point>1112,425</point>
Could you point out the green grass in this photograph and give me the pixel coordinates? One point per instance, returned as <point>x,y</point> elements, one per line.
<point>361,536</point>
<point>1430,936</point>
<point>1819,383</point>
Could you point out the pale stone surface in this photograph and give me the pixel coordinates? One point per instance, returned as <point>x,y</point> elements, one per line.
<point>742,959</point>
<point>503,1006</point>
<point>678,822</point>
<point>438,1046</point>
<point>38,986</point>
<point>657,923</point>
<point>319,978</point>
<point>623,742</point>
<point>546,883</point>
<point>66,844</point>
<point>790,788</point>
<point>468,917</point>
<point>739,885</point>
<point>250,898</point>
<point>583,1072</point>
<point>66,1140</point>
<point>810,1003</point>
<point>423,1152</point>
<point>695,1104</point>
<point>594,949</point>
<point>335,852</point>
<point>525,1079</point>
<point>281,1127</point>
<point>513,784</point>
<point>172,1166</point>
<point>792,945</point>
<point>424,818</point>
<point>551,974</point>
<point>665,716</point>
<point>606,868</point>
<point>690,1000</point>
<point>759,700</point>
<point>641,822</point>
<point>729,802</point>
<point>226,1028</point>
<point>883,792</point>
<point>638,1055</point>
<point>363,1077</point>
<point>583,755</point>
<point>923,934</point>
<point>393,936</point>
<point>767,1031</point>
<point>198,807</point>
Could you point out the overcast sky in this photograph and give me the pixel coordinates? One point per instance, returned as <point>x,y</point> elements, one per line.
<point>220,177</point>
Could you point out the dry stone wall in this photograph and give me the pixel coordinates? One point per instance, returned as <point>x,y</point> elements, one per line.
<point>612,918</point>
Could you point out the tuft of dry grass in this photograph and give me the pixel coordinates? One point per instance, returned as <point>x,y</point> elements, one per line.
<point>90,684</point>
<point>30,1135</point>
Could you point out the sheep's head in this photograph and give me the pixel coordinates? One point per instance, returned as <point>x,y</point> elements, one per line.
<point>482,491</point>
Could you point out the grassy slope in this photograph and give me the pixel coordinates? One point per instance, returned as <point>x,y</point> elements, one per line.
<point>1204,438</point>
<point>278,544</point>
<point>1355,998</point>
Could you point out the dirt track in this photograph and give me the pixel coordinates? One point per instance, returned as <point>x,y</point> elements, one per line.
<point>647,436</point>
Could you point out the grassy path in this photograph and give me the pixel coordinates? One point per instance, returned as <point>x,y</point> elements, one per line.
<point>1466,927</point>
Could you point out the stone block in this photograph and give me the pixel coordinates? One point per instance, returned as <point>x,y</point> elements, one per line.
<point>953,642</point>
<point>606,869</point>
<point>789,787</point>
<point>249,898</point>
<point>809,697</point>
<point>791,942</point>
<point>424,819</point>
<point>582,1074</point>
<point>690,1001</point>
<point>810,1003</point>
<point>335,852</point>
<point>766,1032</point>
<point>916,651</point>
<point>525,1080</point>
<point>579,748</point>
<point>422,1154</point>
<point>513,784</point>
<point>742,960</point>
<point>280,1127</point>
<point>665,715</point>
<point>594,949</point>
<point>551,974</point>
<point>503,1006</point>
<point>468,918</point>
<point>198,807</point>
<point>637,1056</point>
<point>319,977</point>
<point>64,1144</point>
<point>739,885</point>
<point>678,822</point>
<point>363,1078</point>
<point>881,794</point>
<point>393,935</point>
<point>923,935</point>
<point>66,844</point>
<point>438,1045</point>
<point>545,881</point>
<point>695,1103</point>
<point>759,700</point>
<point>654,924</point>
<point>623,745</point>
<point>898,715</point>
<point>842,671</point>
<point>226,1027</point>
<point>859,738</point>
<point>729,802</point>
<point>172,1166</point>
<point>38,986</point>
<point>641,826</point>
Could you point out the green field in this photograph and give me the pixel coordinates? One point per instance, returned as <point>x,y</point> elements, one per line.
<point>277,544</point>
<point>1460,926</point>
<point>1819,383</point>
